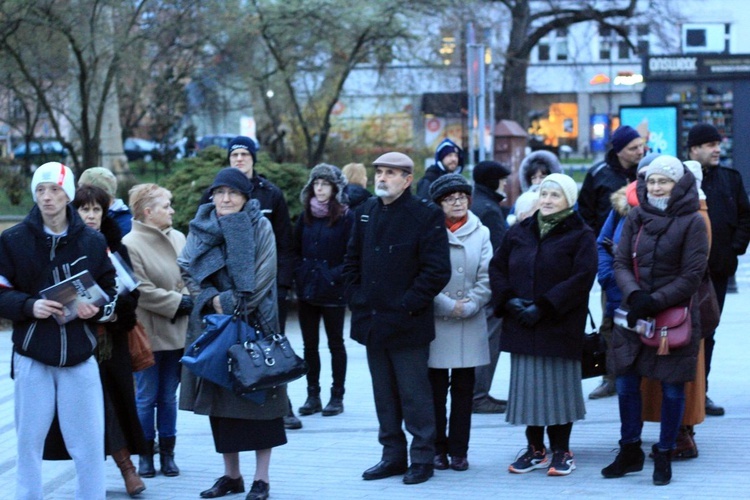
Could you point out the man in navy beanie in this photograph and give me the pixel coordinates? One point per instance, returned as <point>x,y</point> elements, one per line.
<point>618,169</point>
<point>729,211</point>
<point>449,159</point>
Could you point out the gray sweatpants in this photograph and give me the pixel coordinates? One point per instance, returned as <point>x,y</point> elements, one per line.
<point>77,393</point>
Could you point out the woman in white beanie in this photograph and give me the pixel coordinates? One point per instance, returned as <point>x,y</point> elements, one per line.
<point>540,278</point>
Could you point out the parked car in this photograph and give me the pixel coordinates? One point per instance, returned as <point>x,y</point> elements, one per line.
<point>41,151</point>
<point>221,140</point>
<point>141,149</point>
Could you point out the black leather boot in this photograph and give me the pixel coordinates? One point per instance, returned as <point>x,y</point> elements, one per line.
<point>662,467</point>
<point>336,404</point>
<point>146,461</point>
<point>166,457</point>
<point>629,459</point>
<point>313,404</point>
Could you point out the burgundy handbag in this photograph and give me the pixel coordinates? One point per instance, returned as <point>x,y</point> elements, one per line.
<point>672,329</point>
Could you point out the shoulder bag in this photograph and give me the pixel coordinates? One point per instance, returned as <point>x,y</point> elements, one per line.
<point>672,327</point>
<point>264,362</point>
<point>139,345</point>
<point>206,357</point>
<point>594,358</point>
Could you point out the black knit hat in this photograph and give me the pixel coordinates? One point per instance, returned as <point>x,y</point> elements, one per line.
<point>244,142</point>
<point>447,184</point>
<point>701,133</point>
<point>232,178</point>
<point>489,173</point>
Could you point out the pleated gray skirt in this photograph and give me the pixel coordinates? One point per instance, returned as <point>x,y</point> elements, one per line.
<point>544,391</point>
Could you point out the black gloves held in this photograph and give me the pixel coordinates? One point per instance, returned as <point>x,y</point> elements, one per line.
<point>515,306</point>
<point>185,307</point>
<point>641,307</point>
<point>530,316</point>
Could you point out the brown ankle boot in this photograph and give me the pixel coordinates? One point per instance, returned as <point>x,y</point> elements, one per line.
<point>133,483</point>
<point>685,446</point>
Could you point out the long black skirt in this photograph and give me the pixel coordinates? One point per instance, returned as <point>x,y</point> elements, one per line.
<point>233,435</point>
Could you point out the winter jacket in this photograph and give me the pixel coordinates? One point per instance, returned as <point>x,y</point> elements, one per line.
<point>437,169</point>
<point>462,342</point>
<point>217,251</point>
<point>671,255</point>
<point>600,182</point>
<point>556,273</point>
<point>545,157</point>
<point>32,260</point>
<point>154,255</point>
<point>319,250</point>
<point>357,195</point>
<point>729,210</point>
<point>607,245</point>
<point>485,203</point>
<point>396,262</point>
<point>121,214</point>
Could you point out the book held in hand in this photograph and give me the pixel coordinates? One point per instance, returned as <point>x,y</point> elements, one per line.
<point>126,278</point>
<point>80,288</point>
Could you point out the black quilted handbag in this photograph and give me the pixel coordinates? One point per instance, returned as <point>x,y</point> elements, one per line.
<point>594,358</point>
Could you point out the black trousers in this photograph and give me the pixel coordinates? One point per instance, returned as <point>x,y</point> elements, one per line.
<point>461,384</point>
<point>720,286</point>
<point>333,321</point>
<point>403,395</point>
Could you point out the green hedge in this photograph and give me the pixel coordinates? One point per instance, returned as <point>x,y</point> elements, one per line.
<point>191,177</point>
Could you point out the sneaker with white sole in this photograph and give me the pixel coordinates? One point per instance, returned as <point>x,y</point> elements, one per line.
<point>562,464</point>
<point>529,461</point>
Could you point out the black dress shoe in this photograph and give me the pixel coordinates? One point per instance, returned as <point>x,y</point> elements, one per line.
<point>713,409</point>
<point>384,469</point>
<point>224,485</point>
<point>440,462</point>
<point>418,473</point>
<point>259,491</point>
<point>459,463</point>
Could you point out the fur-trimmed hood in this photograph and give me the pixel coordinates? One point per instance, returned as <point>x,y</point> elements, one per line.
<point>544,157</point>
<point>620,203</point>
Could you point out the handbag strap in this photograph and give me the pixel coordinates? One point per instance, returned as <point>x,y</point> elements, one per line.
<point>591,319</point>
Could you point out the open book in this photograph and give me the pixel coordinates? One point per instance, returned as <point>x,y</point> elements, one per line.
<point>69,292</point>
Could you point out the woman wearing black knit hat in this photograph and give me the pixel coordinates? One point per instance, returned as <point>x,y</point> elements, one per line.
<point>460,342</point>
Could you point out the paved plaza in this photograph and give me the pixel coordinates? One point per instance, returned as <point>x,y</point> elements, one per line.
<point>325,459</point>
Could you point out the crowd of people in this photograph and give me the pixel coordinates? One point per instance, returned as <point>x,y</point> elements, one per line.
<point>438,284</point>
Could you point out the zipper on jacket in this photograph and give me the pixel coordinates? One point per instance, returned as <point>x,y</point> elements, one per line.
<point>63,345</point>
<point>28,336</point>
<point>90,335</point>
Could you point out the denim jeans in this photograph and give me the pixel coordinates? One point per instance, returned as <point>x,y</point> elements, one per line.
<point>156,389</point>
<point>672,408</point>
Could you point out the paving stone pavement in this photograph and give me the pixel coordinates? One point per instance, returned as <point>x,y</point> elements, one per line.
<point>325,459</point>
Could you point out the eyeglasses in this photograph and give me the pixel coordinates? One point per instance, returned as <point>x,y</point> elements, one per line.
<point>222,192</point>
<point>659,182</point>
<point>452,200</point>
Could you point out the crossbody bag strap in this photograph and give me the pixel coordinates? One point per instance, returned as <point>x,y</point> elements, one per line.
<point>635,255</point>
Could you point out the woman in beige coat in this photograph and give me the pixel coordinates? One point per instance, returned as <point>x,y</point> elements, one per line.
<point>461,340</point>
<point>163,309</point>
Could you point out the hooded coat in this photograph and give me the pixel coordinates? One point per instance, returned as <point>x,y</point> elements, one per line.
<point>671,255</point>
<point>463,342</point>
<point>437,169</point>
<point>530,161</point>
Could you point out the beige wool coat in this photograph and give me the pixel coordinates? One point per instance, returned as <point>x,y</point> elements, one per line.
<point>154,256</point>
<point>462,342</point>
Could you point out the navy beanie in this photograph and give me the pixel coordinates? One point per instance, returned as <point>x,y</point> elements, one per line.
<point>232,178</point>
<point>701,133</point>
<point>489,173</point>
<point>623,136</point>
<point>245,142</point>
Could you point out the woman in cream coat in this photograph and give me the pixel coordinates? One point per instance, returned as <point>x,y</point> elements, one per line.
<point>163,309</point>
<point>461,341</point>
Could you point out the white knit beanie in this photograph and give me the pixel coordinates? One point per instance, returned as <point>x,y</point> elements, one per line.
<point>57,173</point>
<point>566,183</point>
<point>668,166</point>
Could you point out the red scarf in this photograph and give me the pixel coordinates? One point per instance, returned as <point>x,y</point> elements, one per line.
<point>453,226</point>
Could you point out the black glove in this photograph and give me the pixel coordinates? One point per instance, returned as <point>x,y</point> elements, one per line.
<point>641,307</point>
<point>530,316</point>
<point>515,306</point>
<point>125,311</point>
<point>185,307</point>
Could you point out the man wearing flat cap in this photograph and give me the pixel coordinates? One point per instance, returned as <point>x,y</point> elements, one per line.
<point>617,170</point>
<point>397,261</point>
<point>729,211</point>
